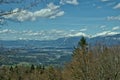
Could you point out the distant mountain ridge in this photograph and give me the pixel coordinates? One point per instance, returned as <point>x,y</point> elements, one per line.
<point>66,42</point>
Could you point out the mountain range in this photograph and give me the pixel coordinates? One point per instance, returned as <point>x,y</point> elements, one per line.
<point>65,42</point>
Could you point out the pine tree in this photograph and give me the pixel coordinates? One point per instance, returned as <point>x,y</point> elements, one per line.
<point>82,44</point>
<point>80,62</point>
<point>81,47</point>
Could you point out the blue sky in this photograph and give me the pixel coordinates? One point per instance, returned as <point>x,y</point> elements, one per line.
<point>62,18</point>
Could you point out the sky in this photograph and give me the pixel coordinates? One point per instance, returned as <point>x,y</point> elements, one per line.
<point>55,19</point>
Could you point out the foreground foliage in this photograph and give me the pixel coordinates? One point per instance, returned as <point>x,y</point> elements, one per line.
<point>97,63</point>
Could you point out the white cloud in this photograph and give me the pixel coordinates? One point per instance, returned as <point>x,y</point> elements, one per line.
<point>78,34</point>
<point>117,6</point>
<point>51,11</point>
<point>116,28</point>
<point>22,38</point>
<point>58,14</point>
<point>105,33</point>
<point>7,31</point>
<point>73,2</point>
<point>103,26</point>
<point>52,6</point>
<point>113,17</point>
<point>84,29</point>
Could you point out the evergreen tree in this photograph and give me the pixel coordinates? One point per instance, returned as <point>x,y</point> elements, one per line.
<point>81,48</point>
<point>80,62</point>
<point>82,43</point>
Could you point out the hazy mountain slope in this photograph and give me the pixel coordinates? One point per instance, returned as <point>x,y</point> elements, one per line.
<point>68,42</point>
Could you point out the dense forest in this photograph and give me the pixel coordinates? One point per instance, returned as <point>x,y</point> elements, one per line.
<point>88,63</point>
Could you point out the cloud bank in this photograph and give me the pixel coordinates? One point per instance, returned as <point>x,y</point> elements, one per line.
<point>105,33</point>
<point>53,34</point>
<point>114,18</point>
<point>8,34</point>
<point>51,11</point>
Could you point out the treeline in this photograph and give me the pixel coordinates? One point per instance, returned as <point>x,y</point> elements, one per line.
<point>96,63</point>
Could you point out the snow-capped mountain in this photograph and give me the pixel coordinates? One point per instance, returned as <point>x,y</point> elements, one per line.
<point>111,39</point>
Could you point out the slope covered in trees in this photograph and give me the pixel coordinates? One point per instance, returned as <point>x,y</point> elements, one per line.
<point>96,63</point>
